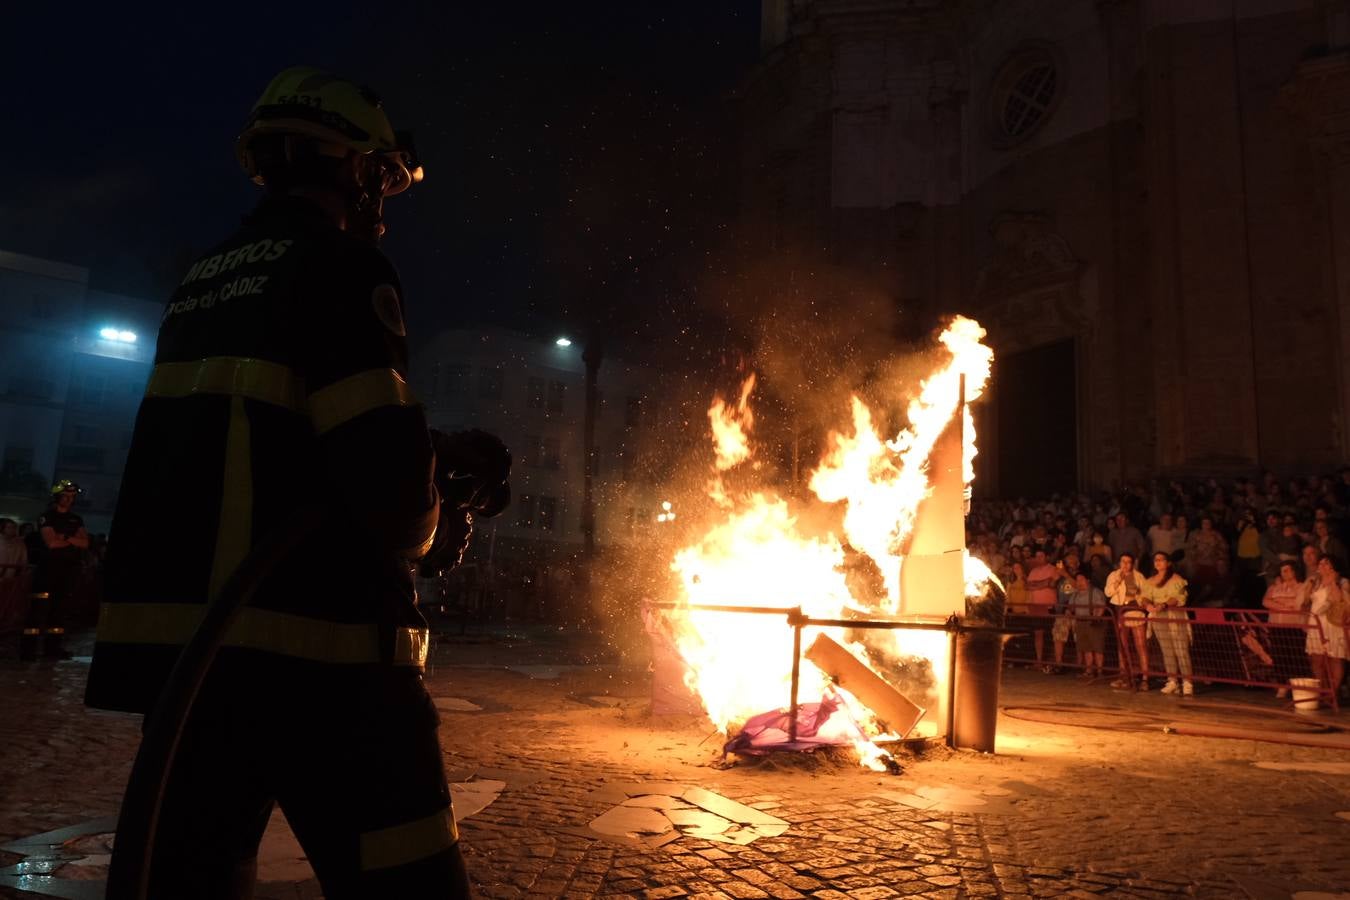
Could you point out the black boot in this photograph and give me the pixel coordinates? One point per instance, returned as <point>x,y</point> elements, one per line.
<point>54,644</point>
<point>28,644</point>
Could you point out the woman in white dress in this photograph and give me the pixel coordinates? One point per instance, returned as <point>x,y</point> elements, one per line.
<point>1329,603</point>
<point>1165,600</point>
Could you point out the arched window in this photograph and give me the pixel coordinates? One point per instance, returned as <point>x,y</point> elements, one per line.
<point>1024,94</point>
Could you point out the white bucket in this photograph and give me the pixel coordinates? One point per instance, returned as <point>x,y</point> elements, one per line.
<point>1306,693</point>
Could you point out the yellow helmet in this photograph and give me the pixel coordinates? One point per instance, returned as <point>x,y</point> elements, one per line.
<point>65,484</point>
<point>306,101</point>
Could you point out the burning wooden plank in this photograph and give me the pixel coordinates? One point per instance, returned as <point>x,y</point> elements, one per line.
<point>894,710</point>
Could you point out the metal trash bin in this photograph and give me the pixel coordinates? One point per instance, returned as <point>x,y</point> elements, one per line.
<point>979,668</point>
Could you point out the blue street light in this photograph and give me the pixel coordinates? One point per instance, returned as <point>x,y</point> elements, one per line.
<point>116,334</point>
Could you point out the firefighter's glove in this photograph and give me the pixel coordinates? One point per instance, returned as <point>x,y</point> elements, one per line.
<point>473,471</point>
<point>452,539</point>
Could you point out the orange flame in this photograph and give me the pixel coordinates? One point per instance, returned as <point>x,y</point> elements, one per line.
<point>883,483</point>
<point>731,428</point>
<point>759,555</point>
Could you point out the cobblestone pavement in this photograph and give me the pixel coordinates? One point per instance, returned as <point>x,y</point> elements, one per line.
<point>1060,811</point>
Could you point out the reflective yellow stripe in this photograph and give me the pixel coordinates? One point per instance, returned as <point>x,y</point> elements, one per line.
<point>238,378</point>
<point>344,400</point>
<point>42,596</point>
<point>411,646</point>
<point>234,528</point>
<point>231,376</point>
<point>282,633</point>
<point>400,845</point>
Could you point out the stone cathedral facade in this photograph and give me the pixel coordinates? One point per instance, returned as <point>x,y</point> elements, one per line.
<point>1146,201</point>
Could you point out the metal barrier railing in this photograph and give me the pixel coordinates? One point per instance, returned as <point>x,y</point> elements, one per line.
<point>1204,646</point>
<point>797,620</point>
<point>1238,647</point>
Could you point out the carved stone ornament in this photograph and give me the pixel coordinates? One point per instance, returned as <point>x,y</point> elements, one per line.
<point>1027,254</point>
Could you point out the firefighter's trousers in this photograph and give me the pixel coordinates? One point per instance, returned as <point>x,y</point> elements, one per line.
<point>45,625</point>
<point>350,755</point>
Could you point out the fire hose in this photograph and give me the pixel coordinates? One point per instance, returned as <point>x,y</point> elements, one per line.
<point>129,868</point>
<point>1275,726</point>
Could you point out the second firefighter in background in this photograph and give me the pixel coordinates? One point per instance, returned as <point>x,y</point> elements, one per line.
<point>59,568</point>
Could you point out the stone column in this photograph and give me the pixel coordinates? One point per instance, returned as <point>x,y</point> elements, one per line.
<point>1319,94</point>
<point>1203,361</point>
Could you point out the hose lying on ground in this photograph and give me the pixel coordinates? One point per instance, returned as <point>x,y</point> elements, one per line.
<point>1280,728</point>
<point>1072,714</point>
<point>129,868</point>
<point>1333,741</point>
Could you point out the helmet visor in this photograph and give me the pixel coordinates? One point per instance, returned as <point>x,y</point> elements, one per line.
<point>388,173</point>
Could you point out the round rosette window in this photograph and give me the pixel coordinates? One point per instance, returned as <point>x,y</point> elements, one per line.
<point>1025,92</point>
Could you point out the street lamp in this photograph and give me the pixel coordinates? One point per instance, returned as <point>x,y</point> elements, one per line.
<point>563,342</point>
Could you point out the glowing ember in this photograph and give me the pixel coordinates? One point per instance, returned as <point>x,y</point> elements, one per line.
<point>759,555</point>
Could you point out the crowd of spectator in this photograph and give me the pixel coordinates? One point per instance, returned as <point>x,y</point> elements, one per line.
<point>1149,551</point>
<point>1142,556</point>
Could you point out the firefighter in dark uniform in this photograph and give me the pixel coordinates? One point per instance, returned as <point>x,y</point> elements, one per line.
<point>280,382</point>
<point>64,541</point>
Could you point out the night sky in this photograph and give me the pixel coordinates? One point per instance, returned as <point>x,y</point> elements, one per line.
<point>576,153</point>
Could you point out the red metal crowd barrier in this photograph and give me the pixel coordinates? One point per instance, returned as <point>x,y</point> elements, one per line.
<point>14,589</point>
<point>1239,647</point>
<point>1201,645</point>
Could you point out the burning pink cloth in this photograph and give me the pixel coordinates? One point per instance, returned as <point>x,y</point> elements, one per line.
<point>825,724</point>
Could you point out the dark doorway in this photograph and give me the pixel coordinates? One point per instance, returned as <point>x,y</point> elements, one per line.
<point>1037,421</point>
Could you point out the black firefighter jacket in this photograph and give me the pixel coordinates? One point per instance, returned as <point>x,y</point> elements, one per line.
<point>279,381</point>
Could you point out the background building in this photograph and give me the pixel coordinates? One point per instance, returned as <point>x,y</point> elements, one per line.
<point>74,364</point>
<point>108,378</point>
<point>41,310</point>
<point>532,393</point>
<point>1146,201</point>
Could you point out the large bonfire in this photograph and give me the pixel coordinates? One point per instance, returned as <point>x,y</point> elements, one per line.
<point>757,553</point>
